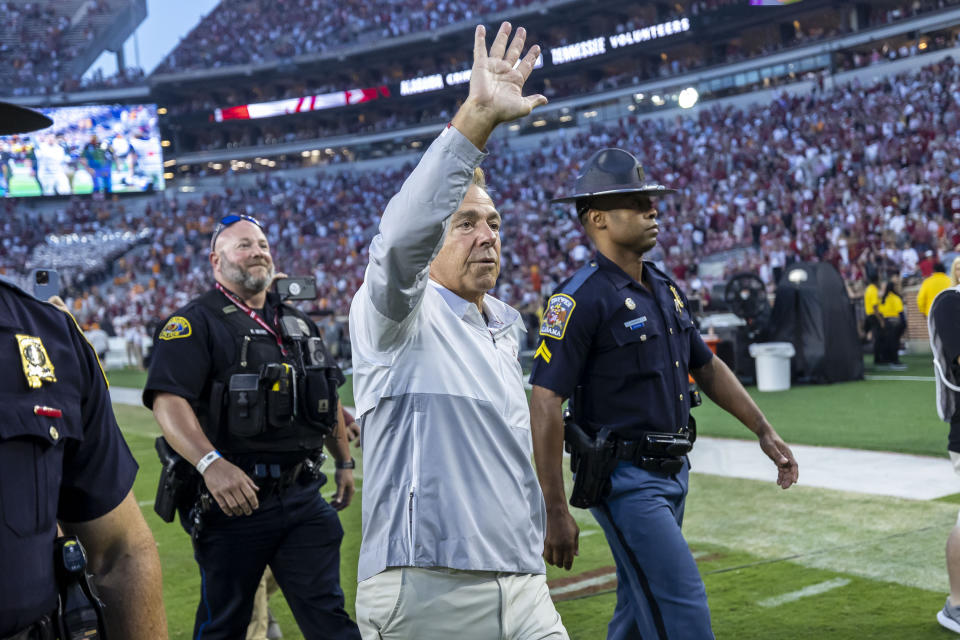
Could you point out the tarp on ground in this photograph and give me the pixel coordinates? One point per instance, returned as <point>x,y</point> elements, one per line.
<point>813,311</point>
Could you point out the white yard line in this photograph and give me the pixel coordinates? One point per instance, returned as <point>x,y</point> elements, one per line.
<point>902,378</point>
<point>584,584</point>
<point>806,592</point>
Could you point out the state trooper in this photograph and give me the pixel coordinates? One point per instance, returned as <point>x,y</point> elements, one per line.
<point>618,340</point>
<point>246,392</point>
<point>63,459</point>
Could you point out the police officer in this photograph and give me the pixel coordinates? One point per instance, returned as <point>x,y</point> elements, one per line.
<point>245,391</point>
<point>942,326</point>
<point>63,458</point>
<point>618,339</point>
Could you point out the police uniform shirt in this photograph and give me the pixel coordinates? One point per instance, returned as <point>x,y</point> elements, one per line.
<point>62,456</point>
<point>195,345</point>
<point>629,348</point>
<point>945,315</point>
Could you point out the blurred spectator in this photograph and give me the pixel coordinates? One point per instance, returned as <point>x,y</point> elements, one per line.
<point>937,282</point>
<point>894,324</point>
<point>99,340</point>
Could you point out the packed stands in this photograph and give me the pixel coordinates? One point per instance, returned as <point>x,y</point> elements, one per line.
<point>864,177</point>
<point>260,30</point>
<point>192,113</point>
<point>41,43</point>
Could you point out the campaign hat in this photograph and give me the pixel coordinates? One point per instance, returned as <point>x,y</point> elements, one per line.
<point>611,172</point>
<point>17,119</point>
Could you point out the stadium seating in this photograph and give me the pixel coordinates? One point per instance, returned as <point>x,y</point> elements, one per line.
<point>861,176</point>
<point>40,42</point>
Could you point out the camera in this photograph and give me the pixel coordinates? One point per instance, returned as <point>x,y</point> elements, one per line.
<point>298,288</point>
<point>46,283</point>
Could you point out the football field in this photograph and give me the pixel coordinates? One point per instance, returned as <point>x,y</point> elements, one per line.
<point>804,563</point>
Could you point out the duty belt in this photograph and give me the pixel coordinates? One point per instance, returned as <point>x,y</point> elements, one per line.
<point>42,629</point>
<point>656,451</point>
<point>273,479</point>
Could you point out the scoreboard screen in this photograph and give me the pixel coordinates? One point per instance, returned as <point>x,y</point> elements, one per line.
<point>89,149</point>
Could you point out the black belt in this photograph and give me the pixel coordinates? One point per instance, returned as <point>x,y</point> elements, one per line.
<point>272,478</point>
<point>656,451</point>
<point>42,629</point>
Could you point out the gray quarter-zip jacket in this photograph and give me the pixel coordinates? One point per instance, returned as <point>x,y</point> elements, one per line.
<point>448,478</point>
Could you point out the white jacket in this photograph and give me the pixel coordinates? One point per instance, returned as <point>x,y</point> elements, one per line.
<point>448,479</point>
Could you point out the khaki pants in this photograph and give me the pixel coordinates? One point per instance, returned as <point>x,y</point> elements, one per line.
<point>260,619</point>
<point>440,604</point>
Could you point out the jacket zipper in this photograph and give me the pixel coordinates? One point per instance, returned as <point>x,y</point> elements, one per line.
<point>415,478</point>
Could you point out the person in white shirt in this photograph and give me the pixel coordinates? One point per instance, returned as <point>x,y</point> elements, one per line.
<point>453,515</point>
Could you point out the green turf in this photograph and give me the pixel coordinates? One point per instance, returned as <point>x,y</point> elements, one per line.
<point>881,415</point>
<point>127,377</point>
<point>760,541</point>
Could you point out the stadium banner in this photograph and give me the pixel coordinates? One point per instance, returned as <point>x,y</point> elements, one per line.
<point>300,105</point>
<point>89,149</point>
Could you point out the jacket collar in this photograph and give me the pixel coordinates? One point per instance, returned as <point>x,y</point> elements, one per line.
<point>500,316</point>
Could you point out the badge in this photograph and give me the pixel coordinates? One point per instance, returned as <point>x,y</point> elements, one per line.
<point>677,302</point>
<point>229,309</point>
<point>176,327</point>
<point>36,363</point>
<point>636,323</point>
<point>630,304</point>
<point>543,352</point>
<point>555,318</point>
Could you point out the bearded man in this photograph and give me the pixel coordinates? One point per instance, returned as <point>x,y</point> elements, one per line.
<point>245,392</point>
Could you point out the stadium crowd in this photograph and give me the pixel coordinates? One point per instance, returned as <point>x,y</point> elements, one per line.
<point>352,121</point>
<point>864,177</point>
<point>37,41</point>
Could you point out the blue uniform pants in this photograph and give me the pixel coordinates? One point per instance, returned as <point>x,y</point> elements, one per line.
<point>298,534</point>
<point>660,594</point>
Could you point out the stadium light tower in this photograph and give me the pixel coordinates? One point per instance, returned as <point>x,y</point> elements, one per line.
<point>688,98</point>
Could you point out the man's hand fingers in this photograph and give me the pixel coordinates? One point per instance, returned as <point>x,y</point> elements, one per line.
<point>499,45</point>
<point>548,554</point>
<point>536,100</point>
<point>525,66</point>
<point>516,46</point>
<point>250,497</point>
<point>480,45</point>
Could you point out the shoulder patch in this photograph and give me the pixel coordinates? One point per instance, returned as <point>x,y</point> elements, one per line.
<point>176,327</point>
<point>557,315</point>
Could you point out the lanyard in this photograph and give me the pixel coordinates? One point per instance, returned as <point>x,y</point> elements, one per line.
<point>256,317</point>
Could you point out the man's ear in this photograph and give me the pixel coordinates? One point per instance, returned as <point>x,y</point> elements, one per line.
<point>597,218</point>
<point>214,260</point>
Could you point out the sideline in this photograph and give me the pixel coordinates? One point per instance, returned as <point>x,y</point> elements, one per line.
<point>875,472</point>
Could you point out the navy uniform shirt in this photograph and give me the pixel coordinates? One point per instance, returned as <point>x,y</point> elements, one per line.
<point>195,346</point>
<point>629,348</point>
<point>62,456</point>
<point>945,315</point>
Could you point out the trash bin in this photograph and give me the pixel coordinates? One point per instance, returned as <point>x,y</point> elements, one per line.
<point>773,365</point>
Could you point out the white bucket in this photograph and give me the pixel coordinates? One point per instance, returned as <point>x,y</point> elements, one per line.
<point>773,365</point>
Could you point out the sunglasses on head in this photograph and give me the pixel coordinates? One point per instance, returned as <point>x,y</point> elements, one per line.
<point>226,221</point>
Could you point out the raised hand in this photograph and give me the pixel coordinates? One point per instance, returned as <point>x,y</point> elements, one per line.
<point>496,84</point>
<point>497,79</point>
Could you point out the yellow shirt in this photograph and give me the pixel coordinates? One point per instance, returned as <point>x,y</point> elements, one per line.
<point>871,297</point>
<point>933,285</point>
<point>891,307</point>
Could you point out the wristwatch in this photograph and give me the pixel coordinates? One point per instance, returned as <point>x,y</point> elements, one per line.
<point>349,464</point>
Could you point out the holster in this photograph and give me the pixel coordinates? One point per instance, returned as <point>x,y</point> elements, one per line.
<point>592,460</point>
<point>178,481</point>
